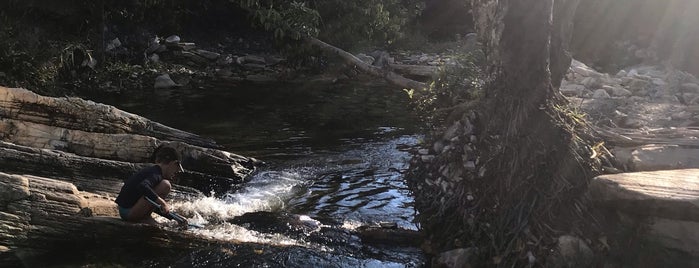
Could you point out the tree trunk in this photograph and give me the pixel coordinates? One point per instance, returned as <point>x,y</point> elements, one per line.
<point>509,176</point>
<point>534,167</point>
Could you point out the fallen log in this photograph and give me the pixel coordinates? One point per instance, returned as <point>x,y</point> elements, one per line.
<point>75,113</point>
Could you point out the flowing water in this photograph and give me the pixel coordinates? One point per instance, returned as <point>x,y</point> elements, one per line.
<point>335,156</point>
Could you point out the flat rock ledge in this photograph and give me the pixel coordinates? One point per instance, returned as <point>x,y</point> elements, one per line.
<point>40,215</point>
<point>664,203</point>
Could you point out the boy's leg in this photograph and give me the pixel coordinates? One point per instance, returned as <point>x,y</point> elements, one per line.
<point>141,211</point>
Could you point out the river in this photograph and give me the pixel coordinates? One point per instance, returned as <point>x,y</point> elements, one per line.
<point>335,156</point>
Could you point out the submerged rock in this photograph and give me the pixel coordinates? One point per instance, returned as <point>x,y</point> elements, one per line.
<point>164,81</point>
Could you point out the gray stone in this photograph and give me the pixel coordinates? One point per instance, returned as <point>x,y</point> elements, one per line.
<point>675,234</point>
<point>617,91</point>
<point>207,54</point>
<point>600,94</point>
<point>690,87</point>
<point>187,46</point>
<point>632,123</point>
<point>365,58</point>
<point>659,82</point>
<point>259,78</point>
<point>160,49</point>
<point>252,59</point>
<point>621,73</point>
<point>457,258</point>
<point>572,252</point>
<point>194,58</point>
<point>584,70</point>
<point>659,157</point>
<point>12,188</point>
<point>154,58</point>
<point>226,60</point>
<point>591,82</point>
<point>112,44</point>
<point>635,84</point>
<point>571,90</point>
<point>173,39</point>
<point>683,115</point>
<point>669,194</point>
<point>452,131</point>
<point>164,81</point>
<point>438,147</point>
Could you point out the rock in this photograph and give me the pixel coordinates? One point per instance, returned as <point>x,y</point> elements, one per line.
<point>187,46</point>
<point>683,115</point>
<point>669,194</point>
<point>365,58</point>
<point>571,90</point>
<point>227,59</point>
<point>13,188</point>
<point>207,54</point>
<point>260,78</point>
<point>632,123</point>
<point>635,84</point>
<point>658,157</point>
<point>692,87</point>
<point>470,41</point>
<point>584,70</point>
<point>675,234</point>
<point>456,258</point>
<point>194,58</point>
<point>153,44</point>
<point>438,147</point>
<point>659,82</point>
<point>381,58</point>
<point>252,59</point>
<point>617,91</point>
<point>224,73</point>
<point>173,39</point>
<point>571,252</point>
<point>621,73</point>
<point>160,49</point>
<point>164,81</point>
<point>112,44</point>
<point>452,131</point>
<point>154,58</point>
<point>592,82</point>
<point>600,94</point>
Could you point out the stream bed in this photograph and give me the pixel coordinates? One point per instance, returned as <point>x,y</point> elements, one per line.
<point>335,157</point>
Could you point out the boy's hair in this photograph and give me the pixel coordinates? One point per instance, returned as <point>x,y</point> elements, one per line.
<point>165,154</point>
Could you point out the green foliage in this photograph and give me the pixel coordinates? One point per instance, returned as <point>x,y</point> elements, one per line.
<point>283,18</point>
<point>454,86</point>
<point>350,24</point>
<point>346,24</point>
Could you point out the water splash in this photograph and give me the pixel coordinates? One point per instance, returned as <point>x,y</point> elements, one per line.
<point>266,191</point>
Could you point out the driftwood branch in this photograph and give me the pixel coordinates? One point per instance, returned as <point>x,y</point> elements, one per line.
<point>390,76</point>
